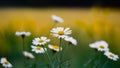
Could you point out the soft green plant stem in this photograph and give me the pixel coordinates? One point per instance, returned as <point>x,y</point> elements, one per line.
<point>23,49</point>
<point>63,52</point>
<point>91,58</point>
<point>50,60</point>
<point>105,63</point>
<point>65,49</point>
<point>36,61</point>
<point>60,53</point>
<point>98,61</point>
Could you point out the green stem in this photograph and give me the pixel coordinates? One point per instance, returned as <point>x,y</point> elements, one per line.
<point>99,59</point>
<point>90,58</point>
<point>23,49</point>
<point>36,61</point>
<point>105,63</point>
<point>63,51</point>
<point>48,58</point>
<point>60,52</point>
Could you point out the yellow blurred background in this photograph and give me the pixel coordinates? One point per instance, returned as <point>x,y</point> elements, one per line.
<point>88,25</point>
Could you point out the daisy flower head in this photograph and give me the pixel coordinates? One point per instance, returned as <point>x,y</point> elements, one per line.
<point>57,19</point>
<point>40,41</point>
<point>38,49</point>
<point>61,32</point>
<point>55,47</point>
<point>23,34</point>
<point>111,56</point>
<point>28,55</point>
<point>5,63</point>
<point>102,46</point>
<point>71,40</point>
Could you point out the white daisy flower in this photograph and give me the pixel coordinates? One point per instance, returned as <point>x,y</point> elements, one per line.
<point>55,47</point>
<point>5,63</point>
<point>100,46</point>
<point>28,55</point>
<point>38,49</point>
<point>41,41</point>
<point>111,55</point>
<point>22,33</point>
<point>71,40</point>
<point>57,19</point>
<point>61,32</point>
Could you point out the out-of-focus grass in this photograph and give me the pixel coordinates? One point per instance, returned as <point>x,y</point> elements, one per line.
<point>88,25</point>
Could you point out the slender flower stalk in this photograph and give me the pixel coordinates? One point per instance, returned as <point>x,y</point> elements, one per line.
<point>23,35</point>
<point>90,58</point>
<point>60,53</point>
<point>36,61</point>
<point>49,58</point>
<point>63,53</point>
<point>99,59</point>
<point>105,63</point>
<point>23,49</point>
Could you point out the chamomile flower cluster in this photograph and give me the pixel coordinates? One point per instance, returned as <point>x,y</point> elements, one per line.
<point>63,33</point>
<point>38,44</point>
<point>103,46</point>
<point>40,41</point>
<point>5,63</point>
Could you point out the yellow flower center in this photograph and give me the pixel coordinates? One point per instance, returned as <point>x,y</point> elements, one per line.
<point>41,41</point>
<point>38,48</point>
<point>6,62</point>
<point>111,55</point>
<point>61,32</point>
<point>55,47</point>
<point>102,46</point>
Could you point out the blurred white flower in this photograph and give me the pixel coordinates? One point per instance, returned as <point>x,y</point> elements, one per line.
<point>28,55</point>
<point>55,47</point>
<point>93,45</point>
<point>5,63</point>
<point>22,33</point>
<point>61,32</point>
<point>38,49</point>
<point>71,40</point>
<point>100,46</point>
<point>40,41</point>
<point>111,55</point>
<point>57,19</point>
